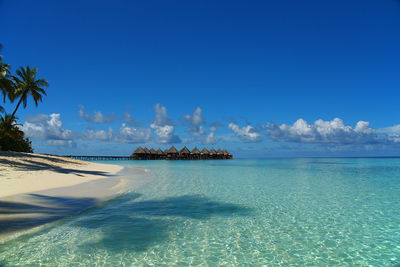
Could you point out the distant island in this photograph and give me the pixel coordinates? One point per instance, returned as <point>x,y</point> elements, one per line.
<point>184,154</point>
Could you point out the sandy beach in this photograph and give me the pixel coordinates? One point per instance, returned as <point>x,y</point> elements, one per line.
<point>36,189</point>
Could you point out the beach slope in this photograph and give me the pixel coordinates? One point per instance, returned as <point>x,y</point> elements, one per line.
<point>36,189</point>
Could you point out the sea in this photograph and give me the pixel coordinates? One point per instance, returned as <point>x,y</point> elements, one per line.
<point>241,212</point>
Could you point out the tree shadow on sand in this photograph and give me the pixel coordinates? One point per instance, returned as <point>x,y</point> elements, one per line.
<point>130,225</point>
<point>19,216</point>
<point>30,165</point>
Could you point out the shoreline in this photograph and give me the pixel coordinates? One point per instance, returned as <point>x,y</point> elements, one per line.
<point>36,189</point>
<point>24,172</point>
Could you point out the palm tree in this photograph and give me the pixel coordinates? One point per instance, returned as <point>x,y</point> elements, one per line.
<point>5,81</point>
<point>25,84</point>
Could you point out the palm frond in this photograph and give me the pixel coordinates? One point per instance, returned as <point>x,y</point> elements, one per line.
<point>25,83</point>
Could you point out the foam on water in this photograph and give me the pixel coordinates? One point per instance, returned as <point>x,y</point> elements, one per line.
<point>239,212</point>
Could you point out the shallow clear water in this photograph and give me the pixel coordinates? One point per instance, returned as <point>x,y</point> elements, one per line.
<point>234,212</point>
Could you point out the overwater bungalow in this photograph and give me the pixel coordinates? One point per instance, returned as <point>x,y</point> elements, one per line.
<point>225,154</point>
<point>204,154</point>
<point>139,153</point>
<point>146,152</point>
<point>160,154</point>
<point>172,153</point>
<point>195,154</point>
<point>219,153</point>
<point>213,153</point>
<point>153,153</point>
<point>183,154</point>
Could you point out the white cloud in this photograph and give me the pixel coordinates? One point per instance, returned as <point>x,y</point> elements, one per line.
<point>99,134</point>
<point>194,122</point>
<point>50,129</point>
<point>196,127</point>
<point>125,134</point>
<point>321,131</point>
<point>97,116</point>
<point>132,135</point>
<point>395,129</point>
<point>46,127</point>
<point>210,139</point>
<point>163,126</point>
<point>393,133</point>
<point>247,133</point>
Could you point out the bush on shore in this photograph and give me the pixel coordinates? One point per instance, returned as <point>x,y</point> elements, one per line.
<point>15,144</point>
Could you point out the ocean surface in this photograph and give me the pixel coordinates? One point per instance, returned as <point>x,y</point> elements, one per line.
<point>242,212</point>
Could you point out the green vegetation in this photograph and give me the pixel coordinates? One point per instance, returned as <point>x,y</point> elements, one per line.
<point>18,87</point>
<point>13,139</point>
<point>5,81</point>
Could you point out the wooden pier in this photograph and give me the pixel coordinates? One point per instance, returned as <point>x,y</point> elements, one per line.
<point>95,158</point>
<point>169,154</point>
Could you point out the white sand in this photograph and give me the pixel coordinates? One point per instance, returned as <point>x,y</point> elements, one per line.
<point>24,173</point>
<point>38,189</point>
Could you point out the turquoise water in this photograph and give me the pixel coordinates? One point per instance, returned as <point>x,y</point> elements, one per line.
<point>272,212</point>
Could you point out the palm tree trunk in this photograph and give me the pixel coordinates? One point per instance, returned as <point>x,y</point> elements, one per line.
<point>12,115</point>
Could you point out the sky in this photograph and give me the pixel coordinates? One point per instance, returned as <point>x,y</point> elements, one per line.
<point>283,78</point>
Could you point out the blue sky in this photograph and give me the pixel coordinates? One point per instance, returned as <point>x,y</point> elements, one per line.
<point>259,78</point>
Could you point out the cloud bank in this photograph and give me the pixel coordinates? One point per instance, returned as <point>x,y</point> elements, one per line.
<point>50,128</point>
<point>319,136</point>
<point>324,132</point>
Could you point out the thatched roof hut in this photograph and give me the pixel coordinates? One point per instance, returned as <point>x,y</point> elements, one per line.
<point>184,150</point>
<point>185,154</point>
<point>195,151</point>
<point>139,150</point>
<point>172,150</point>
<point>204,151</point>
